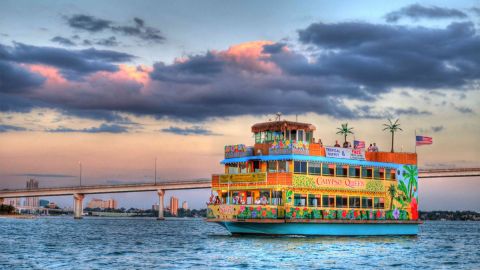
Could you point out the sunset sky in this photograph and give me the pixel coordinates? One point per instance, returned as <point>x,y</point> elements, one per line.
<point>114,84</point>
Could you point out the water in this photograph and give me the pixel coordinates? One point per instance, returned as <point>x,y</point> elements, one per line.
<point>130,243</point>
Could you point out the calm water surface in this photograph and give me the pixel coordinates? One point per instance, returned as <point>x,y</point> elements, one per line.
<point>130,243</point>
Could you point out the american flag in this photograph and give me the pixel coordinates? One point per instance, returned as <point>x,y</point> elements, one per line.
<point>423,140</point>
<point>358,144</point>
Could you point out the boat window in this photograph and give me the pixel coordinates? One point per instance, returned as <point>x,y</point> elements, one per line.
<point>224,197</point>
<point>264,196</point>
<point>277,197</point>
<point>314,168</point>
<point>387,174</point>
<point>341,171</point>
<point>256,166</point>
<point>376,173</point>
<point>393,175</point>
<point>300,199</point>
<point>309,136</point>
<point>272,166</point>
<point>243,167</point>
<point>328,201</point>
<point>342,201</point>
<point>300,136</point>
<point>379,203</point>
<point>367,172</point>
<point>232,168</point>
<point>249,197</point>
<point>300,167</point>
<point>367,202</point>
<point>293,135</point>
<point>314,200</point>
<point>381,173</point>
<point>283,166</point>
<point>328,169</point>
<point>354,202</point>
<point>354,171</point>
<point>258,137</point>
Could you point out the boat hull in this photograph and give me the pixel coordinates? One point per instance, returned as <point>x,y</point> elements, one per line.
<point>333,229</point>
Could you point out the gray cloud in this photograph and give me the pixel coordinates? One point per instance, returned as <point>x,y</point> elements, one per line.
<point>139,29</point>
<point>437,128</point>
<point>72,63</point>
<point>464,110</point>
<point>434,129</point>
<point>379,57</point>
<point>15,78</point>
<point>353,61</point>
<point>417,11</point>
<point>87,23</point>
<point>103,128</point>
<point>7,128</point>
<point>194,130</point>
<point>63,41</point>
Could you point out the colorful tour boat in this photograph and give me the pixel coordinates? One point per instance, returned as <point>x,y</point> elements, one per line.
<point>288,183</point>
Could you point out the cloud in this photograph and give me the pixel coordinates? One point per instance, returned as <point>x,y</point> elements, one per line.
<point>107,42</point>
<point>464,110</point>
<point>72,63</point>
<point>63,41</point>
<point>103,128</point>
<point>46,175</point>
<point>378,57</point>
<point>8,128</point>
<point>194,130</point>
<point>417,11</point>
<point>138,29</point>
<point>14,78</point>
<point>434,129</point>
<point>87,23</point>
<point>437,128</point>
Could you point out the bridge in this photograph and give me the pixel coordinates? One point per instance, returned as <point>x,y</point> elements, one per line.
<point>79,192</point>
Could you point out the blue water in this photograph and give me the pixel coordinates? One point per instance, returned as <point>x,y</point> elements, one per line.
<point>130,243</point>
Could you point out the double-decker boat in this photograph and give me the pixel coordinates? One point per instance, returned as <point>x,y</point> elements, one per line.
<point>290,184</point>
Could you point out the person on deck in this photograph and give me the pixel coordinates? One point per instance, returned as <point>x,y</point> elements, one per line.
<point>375,148</point>
<point>345,144</point>
<point>370,148</point>
<point>336,144</point>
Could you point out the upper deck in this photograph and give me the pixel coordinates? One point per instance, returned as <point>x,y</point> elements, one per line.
<point>280,140</point>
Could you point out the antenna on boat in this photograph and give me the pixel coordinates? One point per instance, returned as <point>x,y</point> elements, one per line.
<point>278,114</point>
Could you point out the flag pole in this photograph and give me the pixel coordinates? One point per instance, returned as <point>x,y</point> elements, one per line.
<point>415,141</point>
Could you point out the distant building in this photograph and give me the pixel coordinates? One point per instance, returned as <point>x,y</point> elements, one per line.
<point>44,203</point>
<point>52,205</point>
<point>32,201</point>
<point>98,203</point>
<point>185,205</point>
<point>174,206</point>
<point>155,207</point>
<point>15,202</point>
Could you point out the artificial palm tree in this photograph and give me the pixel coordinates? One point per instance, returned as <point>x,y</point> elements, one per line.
<point>392,127</point>
<point>345,130</point>
<point>392,190</point>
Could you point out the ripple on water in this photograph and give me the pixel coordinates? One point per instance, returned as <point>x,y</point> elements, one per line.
<point>64,243</point>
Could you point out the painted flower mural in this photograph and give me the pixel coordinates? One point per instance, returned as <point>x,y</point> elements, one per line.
<point>408,187</point>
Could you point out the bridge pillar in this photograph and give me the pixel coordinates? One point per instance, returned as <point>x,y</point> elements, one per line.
<point>78,205</point>
<point>161,195</point>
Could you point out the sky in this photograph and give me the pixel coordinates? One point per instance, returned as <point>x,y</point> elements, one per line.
<point>112,85</point>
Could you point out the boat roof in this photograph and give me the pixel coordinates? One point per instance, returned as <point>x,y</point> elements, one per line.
<point>282,126</point>
<point>311,158</point>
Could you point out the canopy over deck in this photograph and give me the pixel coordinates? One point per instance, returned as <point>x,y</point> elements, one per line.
<point>282,126</point>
